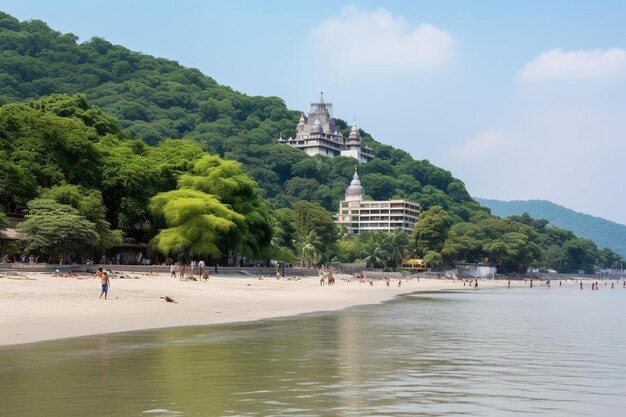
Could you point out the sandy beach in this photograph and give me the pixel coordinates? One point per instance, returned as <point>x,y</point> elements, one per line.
<point>37,306</point>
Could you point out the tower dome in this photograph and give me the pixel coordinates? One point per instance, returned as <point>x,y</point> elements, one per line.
<point>355,191</point>
<point>301,124</point>
<point>354,132</point>
<point>317,126</point>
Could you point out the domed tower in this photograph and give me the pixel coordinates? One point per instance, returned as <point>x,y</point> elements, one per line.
<point>317,126</point>
<point>301,124</point>
<point>355,191</point>
<point>354,136</point>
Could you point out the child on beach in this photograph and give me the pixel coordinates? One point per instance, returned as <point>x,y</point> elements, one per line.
<point>104,280</point>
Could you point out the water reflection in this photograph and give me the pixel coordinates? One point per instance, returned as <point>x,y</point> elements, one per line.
<point>515,352</point>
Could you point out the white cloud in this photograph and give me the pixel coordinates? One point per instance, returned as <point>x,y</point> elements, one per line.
<point>571,155</point>
<point>580,65</point>
<point>482,146</point>
<point>361,41</point>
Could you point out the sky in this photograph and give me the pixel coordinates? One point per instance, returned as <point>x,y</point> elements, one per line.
<point>520,100</point>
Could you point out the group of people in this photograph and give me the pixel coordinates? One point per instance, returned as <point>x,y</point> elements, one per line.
<point>326,276</point>
<point>594,285</point>
<point>474,283</point>
<point>195,268</point>
<point>388,282</point>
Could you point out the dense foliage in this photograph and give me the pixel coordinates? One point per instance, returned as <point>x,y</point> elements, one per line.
<point>74,180</point>
<point>215,209</point>
<point>55,231</point>
<point>155,99</point>
<point>115,145</point>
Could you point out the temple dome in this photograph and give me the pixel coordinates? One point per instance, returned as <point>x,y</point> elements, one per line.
<point>354,132</point>
<point>355,191</point>
<point>317,126</point>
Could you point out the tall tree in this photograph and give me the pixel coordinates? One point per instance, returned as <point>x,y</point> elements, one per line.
<point>216,209</point>
<point>198,224</point>
<point>55,230</point>
<point>228,181</point>
<point>398,246</point>
<point>375,253</point>
<point>431,230</point>
<point>310,249</point>
<point>90,205</point>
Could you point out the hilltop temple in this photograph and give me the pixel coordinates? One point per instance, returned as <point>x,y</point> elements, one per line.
<point>360,215</point>
<point>320,135</point>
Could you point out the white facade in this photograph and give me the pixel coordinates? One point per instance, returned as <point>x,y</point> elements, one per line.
<point>320,135</point>
<point>360,215</point>
<point>476,270</point>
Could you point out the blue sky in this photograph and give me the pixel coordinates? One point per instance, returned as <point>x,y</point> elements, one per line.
<point>522,100</point>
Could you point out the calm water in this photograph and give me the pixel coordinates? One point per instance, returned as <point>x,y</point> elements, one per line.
<point>554,352</point>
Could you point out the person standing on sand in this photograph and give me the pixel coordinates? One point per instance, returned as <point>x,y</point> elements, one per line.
<point>181,271</point>
<point>173,270</point>
<point>104,280</point>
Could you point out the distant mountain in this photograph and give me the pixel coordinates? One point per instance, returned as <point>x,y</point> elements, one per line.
<point>604,233</point>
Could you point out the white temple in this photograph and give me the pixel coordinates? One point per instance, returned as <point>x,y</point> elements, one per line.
<point>319,135</point>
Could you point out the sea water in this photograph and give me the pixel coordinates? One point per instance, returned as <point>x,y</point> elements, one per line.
<point>544,351</point>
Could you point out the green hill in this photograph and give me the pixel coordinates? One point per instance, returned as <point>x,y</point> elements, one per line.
<point>97,119</point>
<point>155,98</point>
<point>604,232</point>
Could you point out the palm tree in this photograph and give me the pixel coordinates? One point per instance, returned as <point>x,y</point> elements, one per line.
<point>397,244</point>
<point>310,248</point>
<point>343,232</point>
<point>374,253</point>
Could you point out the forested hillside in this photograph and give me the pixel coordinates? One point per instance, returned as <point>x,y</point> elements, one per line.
<point>155,98</point>
<point>604,232</point>
<point>103,138</point>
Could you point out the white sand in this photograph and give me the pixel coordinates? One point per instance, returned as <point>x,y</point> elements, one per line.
<point>37,306</point>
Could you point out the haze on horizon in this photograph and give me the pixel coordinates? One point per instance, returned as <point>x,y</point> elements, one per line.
<point>520,101</point>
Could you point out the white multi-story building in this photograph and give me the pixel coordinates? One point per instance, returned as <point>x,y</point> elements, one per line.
<point>320,135</point>
<point>360,215</point>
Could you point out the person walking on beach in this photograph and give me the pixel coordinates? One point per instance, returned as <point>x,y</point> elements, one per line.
<point>173,270</point>
<point>181,271</point>
<point>104,280</point>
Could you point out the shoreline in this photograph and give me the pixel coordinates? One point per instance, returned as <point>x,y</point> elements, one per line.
<point>39,307</point>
